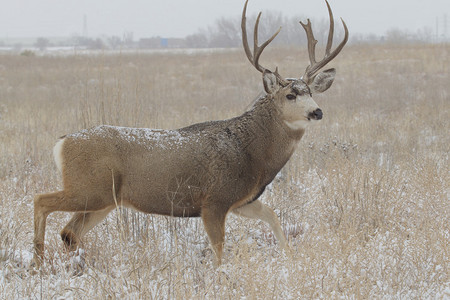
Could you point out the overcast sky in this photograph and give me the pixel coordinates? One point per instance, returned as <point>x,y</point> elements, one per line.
<point>178,18</point>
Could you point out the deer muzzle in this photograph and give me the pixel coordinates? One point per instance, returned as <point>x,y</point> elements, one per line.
<point>316,114</point>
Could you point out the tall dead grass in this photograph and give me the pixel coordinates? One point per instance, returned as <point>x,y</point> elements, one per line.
<point>364,199</point>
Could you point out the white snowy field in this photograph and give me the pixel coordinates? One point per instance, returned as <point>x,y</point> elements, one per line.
<point>364,200</point>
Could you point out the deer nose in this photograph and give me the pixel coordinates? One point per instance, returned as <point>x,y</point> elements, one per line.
<point>316,114</point>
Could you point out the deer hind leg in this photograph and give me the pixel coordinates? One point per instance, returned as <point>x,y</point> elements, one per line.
<point>214,222</point>
<point>258,210</point>
<point>43,205</point>
<point>80,224</point>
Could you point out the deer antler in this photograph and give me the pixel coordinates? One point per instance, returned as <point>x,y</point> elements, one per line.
<point>314,66</point>
<point>257,50</point>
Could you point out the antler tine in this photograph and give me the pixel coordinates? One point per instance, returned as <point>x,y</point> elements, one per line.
<point>257,50</point>
<point>244,34</point>
<point>331,31</point>
<point>314,66</point>
<point>311,43</point>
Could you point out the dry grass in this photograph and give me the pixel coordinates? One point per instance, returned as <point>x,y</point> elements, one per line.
<point>364,199</point>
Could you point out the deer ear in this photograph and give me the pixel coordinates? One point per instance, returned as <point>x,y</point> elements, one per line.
<point>323,81</point>
<point>270,81</point>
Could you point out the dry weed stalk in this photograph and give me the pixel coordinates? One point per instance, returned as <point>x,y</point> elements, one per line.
<point>390,193</point>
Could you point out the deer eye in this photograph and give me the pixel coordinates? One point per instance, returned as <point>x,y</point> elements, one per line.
<point>291,97</point>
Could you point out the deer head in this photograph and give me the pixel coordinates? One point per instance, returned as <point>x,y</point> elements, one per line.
<point>294,96</point>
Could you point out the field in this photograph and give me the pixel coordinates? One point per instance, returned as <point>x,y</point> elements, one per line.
<point>364,200</point>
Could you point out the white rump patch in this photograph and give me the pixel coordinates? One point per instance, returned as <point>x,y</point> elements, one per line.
<point>57,154</point>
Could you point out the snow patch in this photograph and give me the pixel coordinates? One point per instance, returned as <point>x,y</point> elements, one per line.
<point>146,137</point>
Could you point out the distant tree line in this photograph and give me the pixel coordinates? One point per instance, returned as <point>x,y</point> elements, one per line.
<point>226,33</point>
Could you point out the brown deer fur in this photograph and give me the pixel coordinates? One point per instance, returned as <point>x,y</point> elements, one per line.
<point>204,170</point>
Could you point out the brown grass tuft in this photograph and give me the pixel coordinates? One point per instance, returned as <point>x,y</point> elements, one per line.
<point>364,200</point>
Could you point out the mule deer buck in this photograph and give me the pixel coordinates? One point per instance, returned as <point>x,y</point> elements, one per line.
<point>204,170</point>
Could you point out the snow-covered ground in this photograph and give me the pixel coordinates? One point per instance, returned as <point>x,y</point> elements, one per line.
<point>364,201</point>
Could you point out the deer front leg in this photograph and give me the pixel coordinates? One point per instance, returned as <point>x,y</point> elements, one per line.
<point>258,210</point>
<point>214,222</point>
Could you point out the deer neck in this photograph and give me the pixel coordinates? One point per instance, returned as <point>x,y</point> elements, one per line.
<point>272,143</point>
